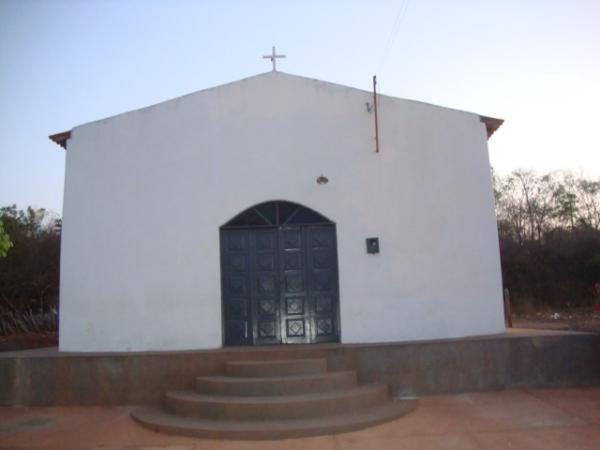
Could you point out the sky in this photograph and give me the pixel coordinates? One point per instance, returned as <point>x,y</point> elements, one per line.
<point>535,64</point>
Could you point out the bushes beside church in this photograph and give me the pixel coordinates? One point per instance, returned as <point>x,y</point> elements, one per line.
<point>29,271</point>
<point>549,231</point>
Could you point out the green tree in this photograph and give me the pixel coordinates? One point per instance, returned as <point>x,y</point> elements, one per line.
<point>5,242</point>
<point>549,235</point>
<point>29,273</point>
<point>567,205</point>
<point>588,194</point>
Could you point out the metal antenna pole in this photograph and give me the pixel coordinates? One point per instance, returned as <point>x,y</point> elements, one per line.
<point>375,107</point>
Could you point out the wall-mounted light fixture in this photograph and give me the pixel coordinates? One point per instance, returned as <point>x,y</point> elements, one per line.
<point>322,179</point>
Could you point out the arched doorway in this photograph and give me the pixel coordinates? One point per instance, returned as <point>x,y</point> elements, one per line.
<point>279,276</point>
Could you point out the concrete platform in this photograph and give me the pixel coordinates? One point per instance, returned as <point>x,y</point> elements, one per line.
<point>519,358</point>
<point>548,419</point>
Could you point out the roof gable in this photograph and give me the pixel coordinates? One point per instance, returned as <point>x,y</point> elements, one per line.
<point>492,124</point>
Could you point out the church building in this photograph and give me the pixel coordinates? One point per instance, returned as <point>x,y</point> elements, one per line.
<point>278,209</point>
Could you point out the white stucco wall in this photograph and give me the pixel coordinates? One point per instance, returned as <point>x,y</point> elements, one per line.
<point>146,192</point>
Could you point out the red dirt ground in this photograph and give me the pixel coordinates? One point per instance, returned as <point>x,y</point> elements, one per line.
<point>525,419</point>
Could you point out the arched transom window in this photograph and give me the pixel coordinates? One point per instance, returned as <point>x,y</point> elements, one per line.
<point>276,213</point>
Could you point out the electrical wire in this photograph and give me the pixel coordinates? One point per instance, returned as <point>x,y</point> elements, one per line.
<point>393,33</point>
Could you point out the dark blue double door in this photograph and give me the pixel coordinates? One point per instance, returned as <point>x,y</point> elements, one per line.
<point>280,285</point>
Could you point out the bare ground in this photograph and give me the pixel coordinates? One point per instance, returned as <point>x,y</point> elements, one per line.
<point>26,341</point>
<point>580,319</point>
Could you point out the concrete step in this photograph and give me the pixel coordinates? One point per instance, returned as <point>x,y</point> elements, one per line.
<point>189,403</point>
<point>275,368</point>
<point>268,386</point>
<point>157,419</point>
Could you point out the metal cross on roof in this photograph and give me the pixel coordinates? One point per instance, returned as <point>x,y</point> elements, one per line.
<point>273,57</point>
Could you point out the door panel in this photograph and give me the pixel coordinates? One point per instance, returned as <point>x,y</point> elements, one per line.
<point>235,275</point>
<point>323,283</point>
<point>294,323</point>
<point>265,286</point>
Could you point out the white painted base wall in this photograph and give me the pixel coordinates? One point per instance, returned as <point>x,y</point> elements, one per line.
<point>146,193</point>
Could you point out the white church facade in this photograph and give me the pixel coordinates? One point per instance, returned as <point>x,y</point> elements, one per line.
<point>258,212</point>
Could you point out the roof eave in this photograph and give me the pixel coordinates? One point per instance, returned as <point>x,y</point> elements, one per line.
<point>61,138</point>
<point>491,124</point>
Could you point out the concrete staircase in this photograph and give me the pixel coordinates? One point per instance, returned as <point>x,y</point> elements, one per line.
<point>273,400</point>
